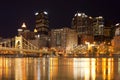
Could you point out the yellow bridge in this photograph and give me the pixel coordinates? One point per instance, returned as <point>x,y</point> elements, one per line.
<point>19,45</point>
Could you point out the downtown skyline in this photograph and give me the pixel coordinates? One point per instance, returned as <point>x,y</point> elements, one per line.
<point>60,13</point>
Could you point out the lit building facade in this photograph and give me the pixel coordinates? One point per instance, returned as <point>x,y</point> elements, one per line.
<point>117,32</point>
<point>63,39</point>
<point>83,26</point>
<point>42,23</point>
<point>98,28</point>
<point>26,33</point>
<point>116,40</point>
<point>108,34</point>
<point>42,29</point>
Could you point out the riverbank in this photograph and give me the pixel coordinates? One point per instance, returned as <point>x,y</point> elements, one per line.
<point>58,56</point>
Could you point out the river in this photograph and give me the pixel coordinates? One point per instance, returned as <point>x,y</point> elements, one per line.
<point>59,68</point>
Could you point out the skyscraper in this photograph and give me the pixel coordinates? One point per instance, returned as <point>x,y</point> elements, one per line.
<point>42,23</point>
<point>79,23</point>
<point>83,26</point>
<point>42,29</point>
<point>98,28</point>
<point>116,39</point>
<point>26,33</point>
<point>63,39</point>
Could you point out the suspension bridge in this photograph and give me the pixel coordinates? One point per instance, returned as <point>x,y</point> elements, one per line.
<point>19,45</point>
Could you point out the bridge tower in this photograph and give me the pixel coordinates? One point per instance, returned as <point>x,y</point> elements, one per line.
<point>19,43</point>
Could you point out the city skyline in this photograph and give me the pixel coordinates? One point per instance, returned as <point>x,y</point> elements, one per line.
<point>60,13</point>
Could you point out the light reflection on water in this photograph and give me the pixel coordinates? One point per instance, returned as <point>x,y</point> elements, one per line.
<point>59,68</point>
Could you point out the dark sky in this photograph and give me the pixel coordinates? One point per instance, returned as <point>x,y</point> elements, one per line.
<point>60,12</point>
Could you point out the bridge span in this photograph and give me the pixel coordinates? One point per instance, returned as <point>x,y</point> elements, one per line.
<point>19,45</point>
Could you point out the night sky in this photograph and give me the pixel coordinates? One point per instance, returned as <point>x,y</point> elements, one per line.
<point>14,13</point>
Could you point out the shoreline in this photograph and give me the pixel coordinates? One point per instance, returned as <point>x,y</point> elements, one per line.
<point>49,56</point>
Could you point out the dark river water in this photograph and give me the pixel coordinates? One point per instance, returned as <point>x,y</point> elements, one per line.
<point>59,68</point>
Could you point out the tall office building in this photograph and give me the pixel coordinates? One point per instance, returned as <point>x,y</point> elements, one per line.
<point>108,33</point>
<point>116,39</point>
<point>22,29</point>
<point>63,39</point>
<point>79,23</point>
<point>83,26</point>
<point>42,29</point>
<point>117,31</point>
<point>98,28</point>
<point>42,23</point>
<point>26,33</point>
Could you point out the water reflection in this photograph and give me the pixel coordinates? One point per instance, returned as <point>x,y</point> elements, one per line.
<point>59,68</point>
<point>84,69</point>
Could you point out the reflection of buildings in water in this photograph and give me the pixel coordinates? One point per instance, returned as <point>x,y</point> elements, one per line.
<point>93,68</point>
<point>117,69</point>
<point>110,69</point>
<point>48,68</point>
<point>20,69</point>
<point>34,67</point>
<point>105,68</point>
<point>31,68</point>
<point>6,68</point>
<point>66,68</point>
<point>38,70</point>
<point>43,68</point>
<point>60,69</point>
<point>53,69</point>
<point>118,66</point>
<point>0,69</point>
<point>84,68</point>
<point>100,68</point>
<point>26,69</point>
